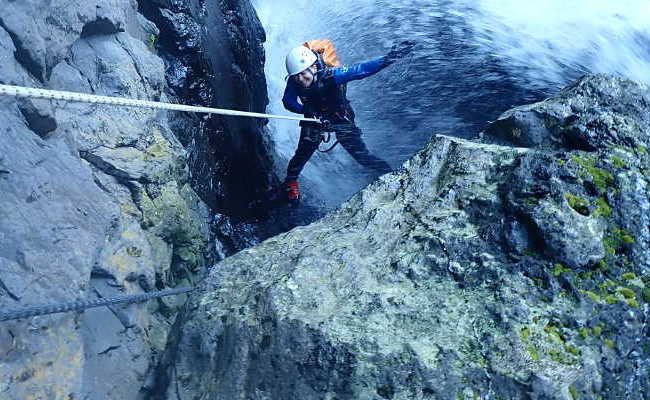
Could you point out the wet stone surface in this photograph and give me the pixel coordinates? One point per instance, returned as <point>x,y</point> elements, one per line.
<point>477,270</point>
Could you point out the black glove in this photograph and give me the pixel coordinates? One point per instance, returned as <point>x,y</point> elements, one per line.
<point>400,51</point>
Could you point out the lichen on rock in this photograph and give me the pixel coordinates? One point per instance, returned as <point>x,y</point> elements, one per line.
<point>467,272</point>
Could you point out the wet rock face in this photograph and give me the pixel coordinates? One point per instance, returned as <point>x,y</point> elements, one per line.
<point>589,115</point>
<point>214,56</point>
<point>476,271</point>
<point>96,201</point>
<point>609,181</point>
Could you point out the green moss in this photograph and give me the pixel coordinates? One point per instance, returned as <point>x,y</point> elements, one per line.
<point>618,162</point>
<point>603,265</point>
<point>600,177</point>
<point>611,299</point>
<point>577,203</point>
<point>534,353</point>
<point>560,163</point>
<point>598,330</point>
<point>559,269</point>
<point>624,236</point>
<point>616,239</point>
<point>553,334</point>
<point>602,208</point>
<point>593,296</point>
<point>610,245</point>
<point>573,350</point>
<point>574,393</point>
<point>532,201</point>
<point>610,343</point>
<point>556,356</point>
<point>584,333</point>
<point>627,293</point>
<point>171,218</point>
<point>156,151</point>
<point>607,284</point>
<point>152,41</point>
<point>632,303</point>
<point>588,275</point>
<point>524,334</point>
<point>628,276</point>
<point>642,149</point>
<point>561,357</point>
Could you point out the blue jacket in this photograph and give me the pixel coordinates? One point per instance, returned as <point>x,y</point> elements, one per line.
<point>341,76</point>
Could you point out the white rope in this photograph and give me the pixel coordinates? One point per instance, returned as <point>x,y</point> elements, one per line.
<point>18,91</point>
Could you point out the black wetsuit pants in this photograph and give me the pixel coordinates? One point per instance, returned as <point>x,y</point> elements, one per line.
<point>348,135</point>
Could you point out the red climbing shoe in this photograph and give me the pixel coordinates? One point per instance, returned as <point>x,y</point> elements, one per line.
<point>293,193</point>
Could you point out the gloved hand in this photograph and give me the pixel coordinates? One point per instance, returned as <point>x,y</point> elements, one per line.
<point>400,51</point>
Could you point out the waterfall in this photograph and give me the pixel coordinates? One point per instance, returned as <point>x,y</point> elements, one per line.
<point>474,60</point>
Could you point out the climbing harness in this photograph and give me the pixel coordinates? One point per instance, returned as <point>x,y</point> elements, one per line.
<point>83,305</point>
<point>19,91</point>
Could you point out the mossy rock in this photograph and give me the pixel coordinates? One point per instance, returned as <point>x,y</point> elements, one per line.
<point>559,269</point>
<point>618,162</point>
<point>616,239</point>
<point>628,276</point>
<point>602,178</point>
<point>602,208</point>
<point>578,203</point>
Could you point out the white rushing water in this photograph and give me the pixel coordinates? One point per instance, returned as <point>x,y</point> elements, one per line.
<point>549,40</point>
<point>474,60</point>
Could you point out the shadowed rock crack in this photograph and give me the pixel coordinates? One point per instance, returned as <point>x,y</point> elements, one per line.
<point>100,26</point>
<point>23,56</point>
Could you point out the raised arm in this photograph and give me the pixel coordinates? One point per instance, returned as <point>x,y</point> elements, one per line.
<point>358,71</point>
<point>363,70</point>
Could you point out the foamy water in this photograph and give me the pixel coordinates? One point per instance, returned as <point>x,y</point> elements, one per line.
<point>474,60</point>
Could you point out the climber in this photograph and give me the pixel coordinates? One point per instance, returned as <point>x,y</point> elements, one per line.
<point>321,89</point>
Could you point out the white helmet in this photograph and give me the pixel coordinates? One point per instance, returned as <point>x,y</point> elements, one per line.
<point>299,59</point>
